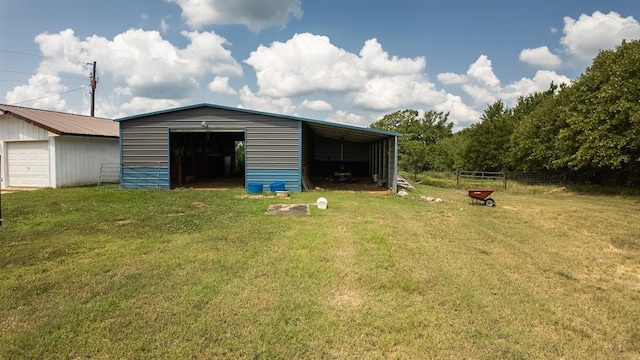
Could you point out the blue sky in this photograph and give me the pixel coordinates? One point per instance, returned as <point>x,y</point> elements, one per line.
<point>345,61</point>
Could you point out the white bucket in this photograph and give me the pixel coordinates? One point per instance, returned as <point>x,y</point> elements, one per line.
<point>321,203</point>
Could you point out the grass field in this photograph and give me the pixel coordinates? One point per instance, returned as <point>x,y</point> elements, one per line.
<point>109,273</point>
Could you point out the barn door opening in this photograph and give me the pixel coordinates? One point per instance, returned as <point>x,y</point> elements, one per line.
<point>211,158</point>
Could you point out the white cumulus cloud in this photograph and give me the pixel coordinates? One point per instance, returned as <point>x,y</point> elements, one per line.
<point>142,105</point>
<point>343,117</point>
<point>459,113</point>
<point>304,64</point>
<point>451,78</point>
<point>586,36</point>
<point>220,85</point>
<point>540,82</point>
<point>541,58</point>
<point>276,105</point>
<point>481,71</point>
<point>139,63</point>
<point>254,14</point>
<point>317,105</point>
<point>376,61</point>
<point>45,89</point>
<point>484,87</point>
<point>479,82</point>
<point>372,79</point>
<point>393,92</point>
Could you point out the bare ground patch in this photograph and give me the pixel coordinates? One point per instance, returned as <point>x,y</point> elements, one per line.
<point>346,294</point>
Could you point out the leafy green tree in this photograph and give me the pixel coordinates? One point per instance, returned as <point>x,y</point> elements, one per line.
<point>448,152</point>
<point>487,141</point>
<point>417,147</point>
<point>539,119</point>
<point>603,124</point>
<point>591,125</point>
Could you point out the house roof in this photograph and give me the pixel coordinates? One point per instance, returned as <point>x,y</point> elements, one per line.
<point>64,123</point>
<point>322,128</point>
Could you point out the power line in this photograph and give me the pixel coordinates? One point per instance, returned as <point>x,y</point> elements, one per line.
<point>48,96</point>
<point>28,73</point>
<point>42,82</point>
<point>106,95</point>
<point>16,72</point>
<point>24,53</point>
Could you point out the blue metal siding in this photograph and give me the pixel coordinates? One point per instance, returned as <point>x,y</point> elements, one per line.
<point>265,177</point>
<point>145,177</point>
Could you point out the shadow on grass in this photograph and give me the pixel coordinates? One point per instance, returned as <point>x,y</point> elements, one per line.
<point>591,189</point>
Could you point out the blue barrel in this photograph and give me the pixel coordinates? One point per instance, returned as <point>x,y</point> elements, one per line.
<point>277,186</point>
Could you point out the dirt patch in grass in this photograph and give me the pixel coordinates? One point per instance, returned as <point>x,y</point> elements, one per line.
<point>345,298</point>
<point>198,205</point>
<point>123,222</point>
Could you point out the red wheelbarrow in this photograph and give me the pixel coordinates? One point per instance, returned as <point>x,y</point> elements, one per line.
<point>482,195</point>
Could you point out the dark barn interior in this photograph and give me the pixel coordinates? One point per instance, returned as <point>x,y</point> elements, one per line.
<point>201,157</point>
<point>343,158</point>
<point>331,156</point>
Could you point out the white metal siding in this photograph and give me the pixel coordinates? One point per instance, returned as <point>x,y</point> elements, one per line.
<point>70,160</point>
<point>28,163</point>
<point>78,159</point>
<point>12,129</point>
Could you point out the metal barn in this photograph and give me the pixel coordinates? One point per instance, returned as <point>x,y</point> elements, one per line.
<point>41,148</point>
<point>206,143</point>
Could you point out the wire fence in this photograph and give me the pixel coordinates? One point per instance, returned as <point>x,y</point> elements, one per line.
<point>542,177</point>
<point>499,179</point>
<point>481,177</point>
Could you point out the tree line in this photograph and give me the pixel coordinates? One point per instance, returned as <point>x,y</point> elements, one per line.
<point>589,128</point>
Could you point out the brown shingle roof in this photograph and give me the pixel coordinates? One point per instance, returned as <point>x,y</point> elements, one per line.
<point>64,123</point>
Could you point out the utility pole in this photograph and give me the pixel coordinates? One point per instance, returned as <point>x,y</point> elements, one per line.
<point>94,82</point>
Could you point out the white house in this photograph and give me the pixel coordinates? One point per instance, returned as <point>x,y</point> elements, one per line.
<point>40,148</point>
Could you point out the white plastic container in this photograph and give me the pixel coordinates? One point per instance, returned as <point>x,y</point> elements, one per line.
<point>321,203</point>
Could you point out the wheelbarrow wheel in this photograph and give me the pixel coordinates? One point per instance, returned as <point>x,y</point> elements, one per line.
<point>489,202</point>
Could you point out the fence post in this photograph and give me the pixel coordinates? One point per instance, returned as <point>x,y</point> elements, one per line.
<point>504,176</point>
<point>458,179</point>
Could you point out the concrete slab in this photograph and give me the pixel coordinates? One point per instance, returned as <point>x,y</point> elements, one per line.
<point>288,209</point>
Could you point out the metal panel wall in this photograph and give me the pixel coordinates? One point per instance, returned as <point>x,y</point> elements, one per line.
<point>291,178</point>
<point>78,159</point>
<point>271,143</point>
<point>145,177</point>
<point>12,129</point>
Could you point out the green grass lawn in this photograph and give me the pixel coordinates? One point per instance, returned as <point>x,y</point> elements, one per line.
<point>109,273</point>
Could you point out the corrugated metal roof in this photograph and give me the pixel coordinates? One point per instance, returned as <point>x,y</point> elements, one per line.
<point>64,123</point>
<point>320,127</point>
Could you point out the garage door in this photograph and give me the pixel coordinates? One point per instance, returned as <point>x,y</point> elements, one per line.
<point>28,163</point>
